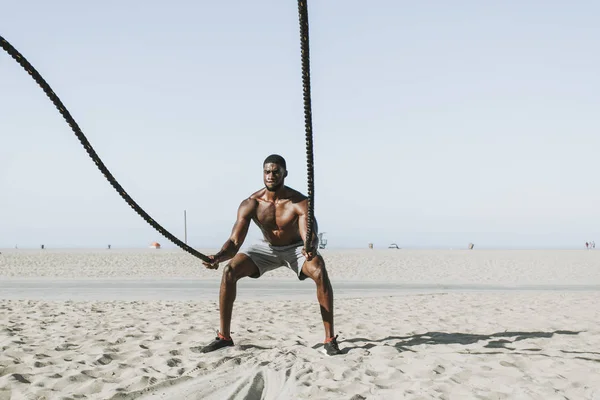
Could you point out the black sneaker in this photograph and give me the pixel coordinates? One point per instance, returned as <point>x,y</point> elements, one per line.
<point>331,347</point>
<point>217,344</point>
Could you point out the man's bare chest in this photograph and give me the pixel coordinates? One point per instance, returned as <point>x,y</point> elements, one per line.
<point>275,215</point>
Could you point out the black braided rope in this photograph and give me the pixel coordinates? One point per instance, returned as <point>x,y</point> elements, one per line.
<point>90,150</point>
<point>303,15</point>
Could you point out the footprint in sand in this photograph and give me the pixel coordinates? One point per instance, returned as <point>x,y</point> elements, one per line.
<point>173,362</point>
<point>23,378</point>
<point>39,364</point>
<point>105,359</point>
<point>303,373</point>
<point>507,364</point>
<point>146,354</point>
<point>224,360</point>
<point>358,397</point>
<point>65,347</point>
<point>461,377</point>
<point>79,378</point>
<point>439,370</point>
<point>369,372</point>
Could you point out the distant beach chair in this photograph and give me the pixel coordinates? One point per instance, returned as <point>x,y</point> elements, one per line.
<point>393,246</point>
<point>322,240</point>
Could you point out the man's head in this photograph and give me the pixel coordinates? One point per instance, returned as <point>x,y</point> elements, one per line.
<point>274,172</point>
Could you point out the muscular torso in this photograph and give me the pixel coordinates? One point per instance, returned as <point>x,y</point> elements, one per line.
<point>278,219</point>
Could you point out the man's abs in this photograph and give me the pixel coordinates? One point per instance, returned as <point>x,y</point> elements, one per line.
<point>283,234</point>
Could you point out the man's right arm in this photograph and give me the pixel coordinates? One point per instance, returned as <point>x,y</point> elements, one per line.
<point>238,233</point>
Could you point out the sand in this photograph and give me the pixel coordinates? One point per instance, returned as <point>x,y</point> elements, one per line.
<point>515,267</point>
<point>444,344</point>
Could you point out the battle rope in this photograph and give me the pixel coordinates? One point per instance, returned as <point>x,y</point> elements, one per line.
<point>303,14</point>
<point>90,150</point>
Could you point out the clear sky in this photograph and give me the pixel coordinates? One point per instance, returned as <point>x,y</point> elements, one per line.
<point>436,123</point>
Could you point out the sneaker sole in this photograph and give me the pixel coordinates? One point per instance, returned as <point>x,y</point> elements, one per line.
<point>327,354</point>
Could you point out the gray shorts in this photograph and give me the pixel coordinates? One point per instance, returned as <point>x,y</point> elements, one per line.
<point>267,257</point>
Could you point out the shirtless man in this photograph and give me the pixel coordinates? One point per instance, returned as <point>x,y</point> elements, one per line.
<point>281,214</point>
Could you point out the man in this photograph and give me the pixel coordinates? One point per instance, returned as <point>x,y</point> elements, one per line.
<point>281,214</point>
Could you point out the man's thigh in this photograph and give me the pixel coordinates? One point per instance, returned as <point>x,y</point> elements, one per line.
<point>263,257</point>
<point>314,267</point>
<point>241,266</point>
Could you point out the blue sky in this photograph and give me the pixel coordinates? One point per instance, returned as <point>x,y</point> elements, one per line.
<point>435,123</point>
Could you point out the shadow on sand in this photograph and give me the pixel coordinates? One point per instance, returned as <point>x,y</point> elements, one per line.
<point>500,340</point>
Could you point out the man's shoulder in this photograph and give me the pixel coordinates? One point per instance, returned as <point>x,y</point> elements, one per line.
<point>249,202</point>
<point>295,195</point>
<point>254,197</point>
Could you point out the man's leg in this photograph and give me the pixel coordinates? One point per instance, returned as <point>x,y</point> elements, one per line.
<point>315,269</point>
<point>240,267</point>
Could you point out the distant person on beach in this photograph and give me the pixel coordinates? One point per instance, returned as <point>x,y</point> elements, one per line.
<point>587,245</point>
<point>281,214</point>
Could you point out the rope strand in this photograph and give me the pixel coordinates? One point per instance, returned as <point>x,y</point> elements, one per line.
<point>304,42</point>
<point>14,53</point>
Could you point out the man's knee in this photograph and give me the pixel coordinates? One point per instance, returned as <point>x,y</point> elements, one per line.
<point>316,269</point>
<point>229,273</point>
<point>240,266</point>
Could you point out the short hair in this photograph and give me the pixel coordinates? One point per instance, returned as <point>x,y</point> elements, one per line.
<point>275,159</point>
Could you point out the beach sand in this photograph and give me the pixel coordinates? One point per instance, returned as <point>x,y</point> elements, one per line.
<point>480,344</point>
<point>499,267</point>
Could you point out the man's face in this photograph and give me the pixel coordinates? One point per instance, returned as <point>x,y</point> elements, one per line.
<point>273,176</point>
